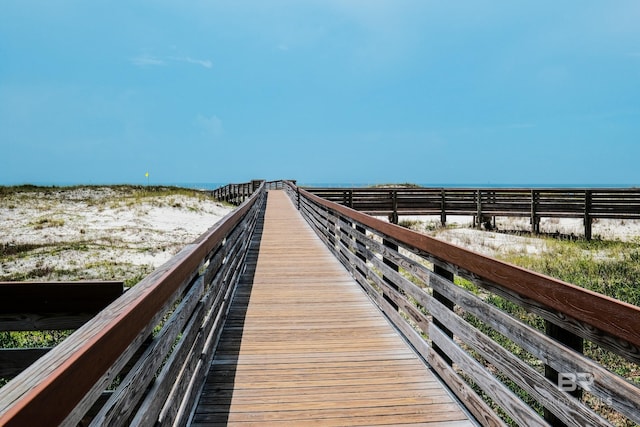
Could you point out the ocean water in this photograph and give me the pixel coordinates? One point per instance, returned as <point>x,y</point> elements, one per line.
<point>214,185</point>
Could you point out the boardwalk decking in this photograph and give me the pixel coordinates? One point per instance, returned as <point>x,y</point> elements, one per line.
<point>304,345</point>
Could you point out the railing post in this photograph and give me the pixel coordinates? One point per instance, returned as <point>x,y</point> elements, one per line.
<point>479,208</point>
<point>572,341</point>
<point>443,207</point>
<point>391,245</point>
<point>448,275</point>
<point>298,196</point>
<point>393,218</point>
<point>256,184</point>
<point>360,247</point>
<point>535,221</point>
<point>331,227</point>
<point>588,221</point>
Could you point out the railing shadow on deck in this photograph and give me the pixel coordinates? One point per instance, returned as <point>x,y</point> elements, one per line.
<point>507,341</point>
<point>143,359</point>
<point>218,392</point>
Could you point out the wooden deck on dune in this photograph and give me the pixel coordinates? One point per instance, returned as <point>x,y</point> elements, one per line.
<point>303,344</point>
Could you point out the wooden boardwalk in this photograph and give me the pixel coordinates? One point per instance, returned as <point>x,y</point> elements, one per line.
<point>303,344</point>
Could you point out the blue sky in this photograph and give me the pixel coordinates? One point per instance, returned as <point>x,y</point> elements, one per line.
<point>344,91</point>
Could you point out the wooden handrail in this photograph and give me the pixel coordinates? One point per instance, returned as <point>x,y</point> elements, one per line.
<point>62,385</point>
<point>458,324</point>
<point>237,193</point>
<point>52,297</point>
<point>483,203</point>
<point>48,306</point>
<point>158,337</point>
<point>617,318</point>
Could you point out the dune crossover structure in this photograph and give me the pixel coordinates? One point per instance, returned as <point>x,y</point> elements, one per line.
<point>304,309</point>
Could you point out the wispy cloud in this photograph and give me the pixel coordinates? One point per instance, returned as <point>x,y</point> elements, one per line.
<point>153,61</point>
<point>202,62</point>
<point>210,126</point>
<point>147,61</point>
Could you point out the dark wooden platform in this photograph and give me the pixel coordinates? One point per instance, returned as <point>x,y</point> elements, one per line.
<point>303,344</point>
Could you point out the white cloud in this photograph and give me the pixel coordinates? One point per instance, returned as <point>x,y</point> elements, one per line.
<point>202,62</point>
<point>210,126</point>
<point>149,61</point>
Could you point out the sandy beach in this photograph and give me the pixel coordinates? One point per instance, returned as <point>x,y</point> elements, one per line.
<point>107,233</point>
<point>506,240</point>
<point>114,233</point>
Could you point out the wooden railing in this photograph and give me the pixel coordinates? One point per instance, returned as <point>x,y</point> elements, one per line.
<point>236,193</point>
<point>51,308</point>
<point>486,203</point>
<point>143,359</point>
<point>508,342</point>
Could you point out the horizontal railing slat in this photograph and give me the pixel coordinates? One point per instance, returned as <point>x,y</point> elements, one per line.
<point>75,373</point>
<point>441,319</point>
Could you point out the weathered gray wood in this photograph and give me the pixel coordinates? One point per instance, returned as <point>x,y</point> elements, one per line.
<point>125,398</point>
<point>585,330</point>
<point>287,337</point>
<point>608,387</point>
<point>122,359</point>
<point>617,203</point>
<point>78,370</point>
<point>564,406</point>
<point>505,324</point>
<point>474,404</point>
<point>350,235</point>
<point>516,408</point>
<point>163,399</point>
<point>582,415</point>
<point>610,315</point>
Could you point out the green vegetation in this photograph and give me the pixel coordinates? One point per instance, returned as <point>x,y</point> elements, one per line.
<point>608,267</point>
<point>402,185</point>
<point>611,268</point>
<point>80,251</point>
<point>120,193</point>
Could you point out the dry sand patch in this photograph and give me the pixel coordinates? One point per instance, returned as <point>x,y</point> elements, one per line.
<point>98,233</point>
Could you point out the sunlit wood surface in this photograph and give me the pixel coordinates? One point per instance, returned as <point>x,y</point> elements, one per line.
<point>303,344</point>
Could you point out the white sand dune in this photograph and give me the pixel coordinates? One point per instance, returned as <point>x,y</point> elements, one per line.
<point>105,233</point>
<point>99,233</point>
<point>459,231</point>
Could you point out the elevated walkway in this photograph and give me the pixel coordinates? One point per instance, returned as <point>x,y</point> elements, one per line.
<point>303,344</point>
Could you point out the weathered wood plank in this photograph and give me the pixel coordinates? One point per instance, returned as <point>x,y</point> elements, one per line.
<point>76,372</point>
<point>33,306</point>
<point>616,318</point>
<point>52,297</point>
<point>303,343</point>
<point>516,408</point>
